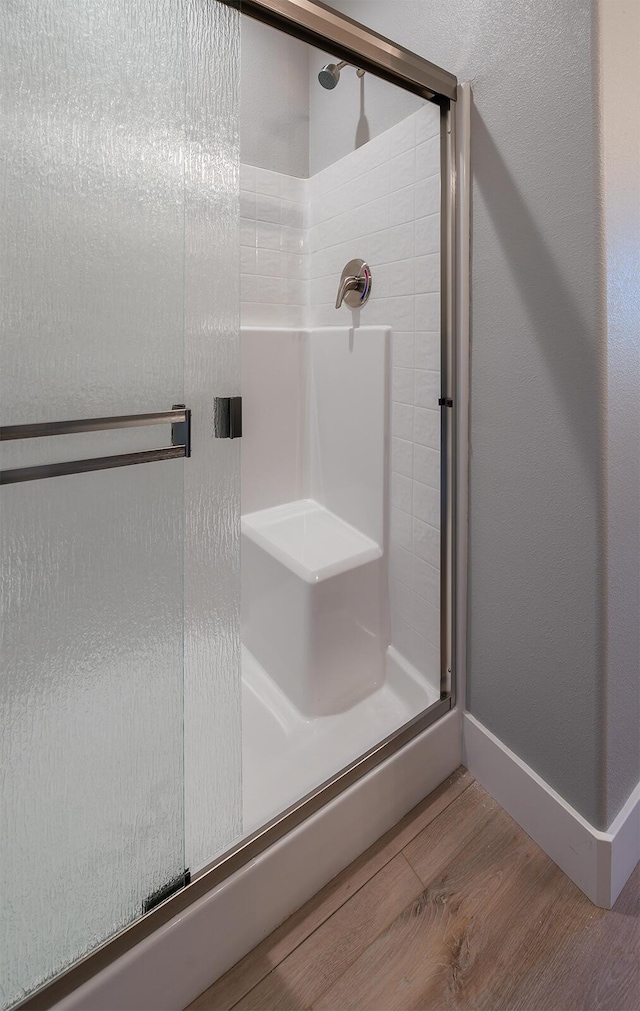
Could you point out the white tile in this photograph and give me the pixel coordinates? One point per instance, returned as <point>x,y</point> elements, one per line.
<point>267,182</point>
<point>295,316</point>
<point>374,250</point>
<point>426,428</point>
<point>402,492</point>
<point>292,214</point>
<point>426,542</point>
<point>426,581</point>
<point>247,232</point>
<point>427,123</point>
<point>325,288</point>
<point>372,217</point>
<point>428,159</point>
<point>428,196</point>
<point>313,241</point>
<point>402,421</point>
<point>377,182</point>
<point>401,206</point>
<point>402,349</point>
<point>426,503</point>
<point>248,177</point>
<point>427,389</point>
<point>401,564</point>
<point>402,170</point>
<point>427,311</point>
<point>419,651</point>
<point>294,188</point>
<point>428,235</point>
<point>267,235</point>
<point>402,529</point>
<point>378,150</point>
<point>291,240</point>
<point>269,262</point>
<point>402,456</point>
<point>292,265</point>
<point>400,312</point>
<point>248,287</point>
<point>267,207</point>
<point>269,289</point>
<point>426,463</point>
<point>248,259</point>
<point>427,350</point>
<point>396,278</point>
<point>378,312</point>
<point>399,242</point>
<point>293,291</point>
<point>320,209</point>
<point>261,314</point>
<point>427,273</point>
<point>426,619</point>
<point>402,385</point>
<point>402,136</point>
<point>247,204</point>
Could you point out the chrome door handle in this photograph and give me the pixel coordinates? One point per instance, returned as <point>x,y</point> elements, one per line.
<point>179,417</point>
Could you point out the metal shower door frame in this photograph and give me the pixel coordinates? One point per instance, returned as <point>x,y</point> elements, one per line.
<point>312,22</point>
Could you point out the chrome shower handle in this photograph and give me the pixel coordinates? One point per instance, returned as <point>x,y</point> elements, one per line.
<point>349,284</point>
<point>355,284</point>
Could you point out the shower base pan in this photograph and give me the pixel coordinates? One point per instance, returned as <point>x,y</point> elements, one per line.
<point>285,754</point>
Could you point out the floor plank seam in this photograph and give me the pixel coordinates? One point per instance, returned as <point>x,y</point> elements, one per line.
<point>377,937</point>
<point>348,898</point>
<point>393,854</point>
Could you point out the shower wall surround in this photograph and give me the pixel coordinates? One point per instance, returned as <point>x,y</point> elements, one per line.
<point>274,259</point>
<point>381,202</point>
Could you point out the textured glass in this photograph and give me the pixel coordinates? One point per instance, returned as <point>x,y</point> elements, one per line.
<point>115,151</point>
<point>213,715</point>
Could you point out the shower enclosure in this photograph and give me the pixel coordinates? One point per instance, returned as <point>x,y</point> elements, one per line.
<point>206,637</point>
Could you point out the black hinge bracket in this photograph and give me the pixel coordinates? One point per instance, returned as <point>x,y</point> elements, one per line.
<point>445,402</point>
<point>227,422</point>
<point>181,430</point>
<point>167,890</point>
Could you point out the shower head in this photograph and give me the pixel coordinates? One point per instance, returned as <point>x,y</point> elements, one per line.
<point>330,74</point>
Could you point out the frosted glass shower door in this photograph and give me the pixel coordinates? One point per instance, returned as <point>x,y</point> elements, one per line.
<point>105,190</point>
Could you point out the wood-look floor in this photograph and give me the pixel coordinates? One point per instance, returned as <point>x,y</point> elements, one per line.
<point>455,907</point>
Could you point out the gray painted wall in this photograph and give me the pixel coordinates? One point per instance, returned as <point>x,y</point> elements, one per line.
<point>354,112</point>
<point>274,100</point>
<point>536,634</point>
<point>619,45</point>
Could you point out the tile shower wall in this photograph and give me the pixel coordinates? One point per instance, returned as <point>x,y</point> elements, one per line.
<point>274,257</point>
<point>380,202</point>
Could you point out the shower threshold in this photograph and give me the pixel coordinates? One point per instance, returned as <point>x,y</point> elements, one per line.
<point>286,754</point>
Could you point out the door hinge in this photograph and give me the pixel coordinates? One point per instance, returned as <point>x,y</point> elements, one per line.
<point>163,893</point>
<point>445,402</point>
<point>227,417</point>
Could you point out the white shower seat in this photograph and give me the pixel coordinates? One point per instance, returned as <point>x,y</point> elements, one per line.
<point>312,610</point>
<point>310,540</point>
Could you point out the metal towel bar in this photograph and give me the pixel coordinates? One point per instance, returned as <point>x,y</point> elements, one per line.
<point>179,417</point>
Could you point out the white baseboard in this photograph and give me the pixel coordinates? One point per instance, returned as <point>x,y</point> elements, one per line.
<point>599,863</point>
<point>171,967</point>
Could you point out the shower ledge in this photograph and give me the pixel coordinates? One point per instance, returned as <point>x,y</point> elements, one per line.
<point>310,540</point>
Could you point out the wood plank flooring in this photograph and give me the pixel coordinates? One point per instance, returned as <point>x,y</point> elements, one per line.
<point>454,908</point>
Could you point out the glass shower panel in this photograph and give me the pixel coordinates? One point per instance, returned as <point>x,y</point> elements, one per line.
<point>341,466</point>
<point>119,164</point>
